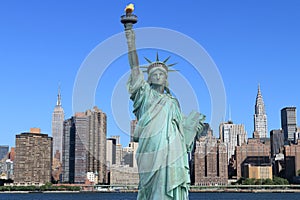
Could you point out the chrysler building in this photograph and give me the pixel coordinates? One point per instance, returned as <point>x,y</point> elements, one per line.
<point>260,117</point>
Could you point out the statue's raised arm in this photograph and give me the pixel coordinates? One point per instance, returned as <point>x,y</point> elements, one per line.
<point>128,20</point>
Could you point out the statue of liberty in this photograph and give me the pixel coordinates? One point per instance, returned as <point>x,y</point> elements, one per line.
<point>164,135</point>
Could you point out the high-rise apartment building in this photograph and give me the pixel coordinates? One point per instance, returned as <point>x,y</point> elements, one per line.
<point>97,143</point>
<point>33,159</point>
<point>232,135</point>
<point>210,162</point>
<point>288,122</point>
<point>57,134</point>
<point>68,152</point>
<point>260,117</point>
<point>75,149</point>
<point>84,147</point>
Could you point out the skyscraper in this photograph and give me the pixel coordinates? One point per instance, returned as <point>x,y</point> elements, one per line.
<point>68,152</point>
<point>232,135</point>
<point>57,134</point>
<point>97,143</point>
<point>57,126</point>
<point>32,164</point>
<point>260,117</point>
<point>288,122</point>
<point>84,146</point>
<point>75,149</point>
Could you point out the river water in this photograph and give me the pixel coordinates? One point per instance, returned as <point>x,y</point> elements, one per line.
<point>132,196</point>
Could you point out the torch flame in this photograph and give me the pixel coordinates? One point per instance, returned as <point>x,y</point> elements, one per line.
<point>129,8</point>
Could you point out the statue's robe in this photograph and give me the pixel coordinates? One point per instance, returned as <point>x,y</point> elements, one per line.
<point>164,138</point>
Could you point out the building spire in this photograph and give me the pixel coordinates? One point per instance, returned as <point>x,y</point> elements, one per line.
<point>58,103</point>
<point>260,116</point>
<point>259,104</point>
<point>258,90</point>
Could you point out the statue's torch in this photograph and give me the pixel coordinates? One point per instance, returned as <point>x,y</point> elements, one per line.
<point>129,19</point>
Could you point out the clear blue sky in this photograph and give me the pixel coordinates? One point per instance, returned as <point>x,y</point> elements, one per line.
<point>44,43</point>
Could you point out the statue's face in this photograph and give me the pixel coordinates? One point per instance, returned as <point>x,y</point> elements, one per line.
<point>158,77</point>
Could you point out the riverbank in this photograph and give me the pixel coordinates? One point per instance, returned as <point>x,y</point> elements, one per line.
<point>135,191</point>
<point>246,191</point>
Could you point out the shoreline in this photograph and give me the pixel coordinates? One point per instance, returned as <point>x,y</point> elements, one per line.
<point>135,191</point>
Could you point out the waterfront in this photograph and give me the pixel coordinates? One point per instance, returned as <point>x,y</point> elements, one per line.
<point>132,196</point>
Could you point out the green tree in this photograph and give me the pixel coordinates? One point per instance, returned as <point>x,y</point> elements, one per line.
<point>280,181</point>
<point>268,181</point>
<point>249,181</point>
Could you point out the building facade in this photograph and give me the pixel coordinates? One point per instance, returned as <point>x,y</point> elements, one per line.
<point>75,149</point>
<point>57,126</point>
<point>119,150</point>
<point>128,154</point>
<point>124,175</point>
<point>210,162</point>
<point>110,152</point>
<point>260,117</point>
<point>288,122</point>
<point>97,143</point>
<point>57,134</point>
<point>255,152</point>
<point>84,147</point>
<point>3,151</point>
<point>33,159</point>
<point>277,142</point>
<point>232,135</point>
<point>292,160</point>
<point>258,172</point>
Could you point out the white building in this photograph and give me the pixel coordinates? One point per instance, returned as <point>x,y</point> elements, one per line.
<point>232,135</point>
<point>260,117</point>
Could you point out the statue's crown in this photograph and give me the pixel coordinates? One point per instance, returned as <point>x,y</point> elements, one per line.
<point>158,65</point>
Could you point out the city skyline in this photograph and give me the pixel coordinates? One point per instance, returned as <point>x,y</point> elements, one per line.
<point>44,44</point>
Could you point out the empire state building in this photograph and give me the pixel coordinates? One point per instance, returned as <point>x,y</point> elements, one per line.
<point>57,134</point>
<point>260,117</point>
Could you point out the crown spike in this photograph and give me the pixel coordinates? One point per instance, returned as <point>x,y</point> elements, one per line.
<point>157,59</point>
<point>170,65</point>
<point>166,60</point>
<point>149,61</point>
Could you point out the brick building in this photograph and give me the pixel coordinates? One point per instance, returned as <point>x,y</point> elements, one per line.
<point>255,152</point>
<point>292,160</point>
<point>33,158</point>
<point>210,162</point>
